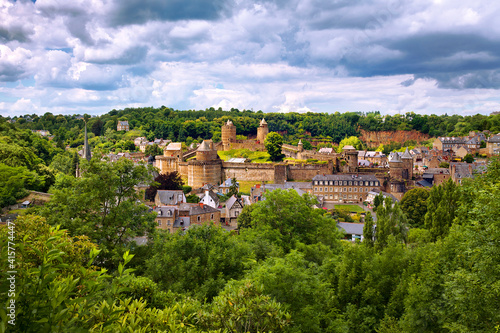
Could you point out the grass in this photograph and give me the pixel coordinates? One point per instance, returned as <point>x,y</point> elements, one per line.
<point>350,208</point>
<point>245,186</point>
<point>253,156</point>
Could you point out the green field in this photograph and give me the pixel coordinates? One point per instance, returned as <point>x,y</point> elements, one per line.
<point>350,208</point>
<point>253,156</point>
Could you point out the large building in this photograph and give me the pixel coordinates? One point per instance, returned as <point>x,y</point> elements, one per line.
<point>123,126</point>
<point>344,187</point>
<point>228,135</point>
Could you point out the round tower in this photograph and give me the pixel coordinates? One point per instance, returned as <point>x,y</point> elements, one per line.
<point>228,135</point>
<point>395,166</point>
<point>206,168</point>
<point>300,146</point>
<point>262,131</point>
<point>407,160</point>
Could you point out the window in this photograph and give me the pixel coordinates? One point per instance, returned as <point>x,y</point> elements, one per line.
<point>168,222</point>
<point>331,196</point>
<point>350,189</point>
<point>336,197</point>
<point>321,182</point>
<point>331,182</point>
<point>331,189</point>
<point>350,196</point>
<point>237,213</point>
<point>356,197</point>
<point>212,217</point>
<point>336,189</point>
<point>159,223</point>
<point>350,183</point>
<point>355,189</point>
<point>345,189</point>
<point>355,183</point>
<point>315,182</point>
<point>199,218</point>
<point>345,196</point>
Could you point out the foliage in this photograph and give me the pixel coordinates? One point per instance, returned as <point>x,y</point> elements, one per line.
<point>273,144</point>
<point>15,183</point>
<point>103,204</point>
<point>165,181</point>
<point>468,158</point>
<point>391,221</point>
<point>243,307</point>
<point>414,205</point>
<point>199,262</point>
<point>445,165</point>
<point>192,198</point>
<point>233,189</point>
<point>153,150</point>
<point>441,209</point>
<point>368,230</point>
<point>350,141</point>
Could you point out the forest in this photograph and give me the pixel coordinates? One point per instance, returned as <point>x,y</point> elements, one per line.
<point>427,264</point>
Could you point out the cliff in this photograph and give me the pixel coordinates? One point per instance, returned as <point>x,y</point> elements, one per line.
<point>374,139</point>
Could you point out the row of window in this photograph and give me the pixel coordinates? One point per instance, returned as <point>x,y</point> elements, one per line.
<point>342,196</point>
<point>199,220</point>
<point>347,182</point>
<point>339,189</point>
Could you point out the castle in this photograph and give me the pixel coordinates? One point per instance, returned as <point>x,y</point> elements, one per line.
<point>203,165</point>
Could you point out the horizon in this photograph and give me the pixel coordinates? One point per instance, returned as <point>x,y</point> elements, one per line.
<point>428,57</point>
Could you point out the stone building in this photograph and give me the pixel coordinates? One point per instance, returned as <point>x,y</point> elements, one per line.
<point>344,188</point>
<point>123,126</point>
<point>228,135</point>
<point>350,156</point>
<point>493,145</point>
<point>206,167</point>
<point>262,131</point>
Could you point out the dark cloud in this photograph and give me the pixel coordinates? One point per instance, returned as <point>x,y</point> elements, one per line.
<point>141,11</point>
<point>130,56</point>
<point>10,72</point>
<point>15,33</point>
<point>466,80</point>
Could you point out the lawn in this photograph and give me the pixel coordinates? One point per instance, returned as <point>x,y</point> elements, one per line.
<point>254,156</point>
<point>350,208</point>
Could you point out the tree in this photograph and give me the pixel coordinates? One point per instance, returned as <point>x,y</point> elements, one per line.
<point>233,189</point>
<point>273,144</point>
<point>368,230</point>
<point>445,165</point>
<point>441,209</point>
<point>350,141</point>
<point>15,183</point>
<point>245,218</point>
<point>414,205</point>
<point>378,200</point>
<point>165,181</point>
<point>391,221</point>
<point>153,150</point>
<point>103,204</point>
<point>97,127</point>
<point>469,158</point>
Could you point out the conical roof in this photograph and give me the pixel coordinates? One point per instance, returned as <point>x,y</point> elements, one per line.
<point>263,122</point>
<point>229,123</point>
<point>300,142</point>
<point>406,155</point>
<point>205,146</point>
<point>395,158</point>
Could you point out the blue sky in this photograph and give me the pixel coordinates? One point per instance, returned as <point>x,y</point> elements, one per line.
<point>395,56</point>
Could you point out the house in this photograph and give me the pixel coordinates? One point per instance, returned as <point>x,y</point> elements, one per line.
<point>123,126</point>
<point>224,187</point>
<point>169,197</point>
<point>372,194</point>
<point>473,144</point>
<point>493,145</point>
<point>462,170</point>
<point>435,176</point>
<point>165,217</point>
<point>463,151</point>
<point>198,214</point>
<point>210,198</point>
<point>448,143</point>
<point>233,209</point>
<point>139,140</point>
<point>353,231</point>
<point>344,187</point>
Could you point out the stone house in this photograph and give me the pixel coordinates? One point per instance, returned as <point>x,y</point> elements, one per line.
<point>165,218</point>
<point>199,213</point>
<point>344,187</point>
<point>123,126</point>
<point>224,187</point>
<point>493,145</point>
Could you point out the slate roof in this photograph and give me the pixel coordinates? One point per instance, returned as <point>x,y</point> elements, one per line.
<point>123,123</point>
<point>166,211</point>
<point>345,177</point>
<point>214,196</point>
<point>230,203</point>
<point>406,155</point>
<point>182,222</point>
<point>196,209</point>
<point>174,146</point>
<point>395,158</point>
<point>351,228</point>
<point>494,139</point>
<point>325,150</point>
<point>424,183</point>
<point>263,122</point>
<point>169,197</point>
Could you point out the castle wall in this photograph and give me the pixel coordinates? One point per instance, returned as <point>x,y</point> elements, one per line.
<point>308,171</point>
<point>202,172</point>
<point>248,171</point>
<point>247,144</point>
<point>167,164</point>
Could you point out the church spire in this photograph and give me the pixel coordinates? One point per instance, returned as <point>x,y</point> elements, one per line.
<point>86,147</point>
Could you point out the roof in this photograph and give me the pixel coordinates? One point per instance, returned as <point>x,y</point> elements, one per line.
<point>453,140</point>
<point>174,146</point>
<point>205,146</point>
<point>348,148</point>
<point>169,197</point>
<point>123,123</point>
<point>182,222</point>
<point>237,160</point>
<point>212,195</point>
<point>346,177</point>
<point>351,228</point>
<point>230,203</point>
<point>228,182</point>
<point>406,155</point>
<point>394,158</point>
<point>263,122</point>
<point>436,171</point>
<point>229,123</point>
<point>494,139</point>
<point>326,150</point>
<point>166,211</point>
<point>196,209</point>
<point>424,183</point>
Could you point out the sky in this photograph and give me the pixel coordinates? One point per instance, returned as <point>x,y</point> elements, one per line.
<point>394,56</point>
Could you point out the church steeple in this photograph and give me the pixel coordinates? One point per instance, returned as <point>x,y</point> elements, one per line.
<point>86,147</point>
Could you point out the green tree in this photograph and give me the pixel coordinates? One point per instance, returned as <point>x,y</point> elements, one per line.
<point>15,183</point>
<point>441,209</point>
<point>165,181</point>
<point>414,205</point>
<point>273,144</point>
<point>445,165</point>
<point>469,158</point>
<point>390,221</point>
<point>245,218</point>
<point>104,205</point>
<point>233,189</point>
<point>350,141</point>
<point>378,200</point>
<point>153,150</point>
<point>368,229</point>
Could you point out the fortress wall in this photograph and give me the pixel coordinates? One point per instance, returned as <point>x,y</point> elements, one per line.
<point>308,171</point>
<point>248,171</point>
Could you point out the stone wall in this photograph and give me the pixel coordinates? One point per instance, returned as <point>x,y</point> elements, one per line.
<point>308,171</point>
<point>247,144</point>
<point>248,171</point>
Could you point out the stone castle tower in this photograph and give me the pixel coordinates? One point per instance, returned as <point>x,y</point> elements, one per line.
<point>206,167</point>
<point>228,135</point>
<point>350,155</point>
<point>401,167</point>
<point>407,165</point>
<point>262,131</point>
